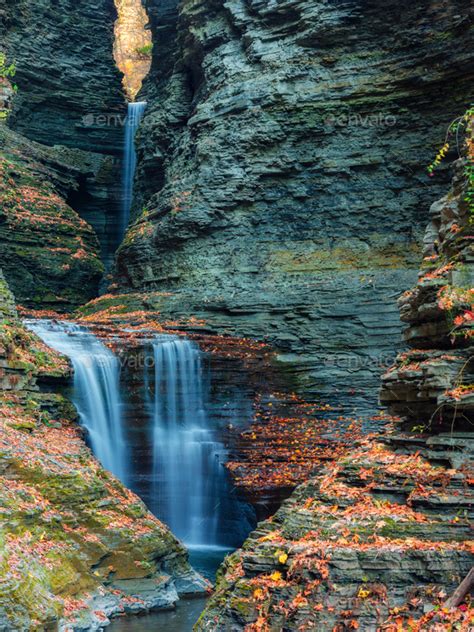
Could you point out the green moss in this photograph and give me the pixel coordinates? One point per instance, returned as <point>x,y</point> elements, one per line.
<point>350,257</point>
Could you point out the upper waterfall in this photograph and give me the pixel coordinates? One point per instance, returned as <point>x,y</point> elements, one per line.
<point>134,116</point>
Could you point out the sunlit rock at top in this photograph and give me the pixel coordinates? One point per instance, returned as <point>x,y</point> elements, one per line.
<point>132,45</point>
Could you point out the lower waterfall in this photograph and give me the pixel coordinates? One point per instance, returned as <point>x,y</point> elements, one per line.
<point>152,427</point>
<point>96,388</point>
<point>188,473</point>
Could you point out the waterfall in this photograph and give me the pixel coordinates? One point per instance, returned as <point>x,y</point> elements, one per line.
<point>134,116</point>
<point>172,456</point>
<point>96,388</point>
<point>188,474</point>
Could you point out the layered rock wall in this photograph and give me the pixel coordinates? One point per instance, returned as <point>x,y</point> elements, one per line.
<point>66,75</point>
<point>282,169</point>
<point>50,256</point>
<point>434,380</point>
<point>381,537</point>
<point>69,93</point>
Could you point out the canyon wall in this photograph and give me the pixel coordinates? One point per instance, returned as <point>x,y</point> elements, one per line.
<point>380,537</point>
<point>49,255</point>
<point>68,94</point>
<point>66,75</point>
<point>281,175</point>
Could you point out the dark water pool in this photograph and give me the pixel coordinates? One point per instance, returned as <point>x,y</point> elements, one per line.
<point>181,619</point>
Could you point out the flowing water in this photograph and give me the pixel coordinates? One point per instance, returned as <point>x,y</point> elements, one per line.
<point>156,426</point>
<point>188,476</point>
<point>96,389</point>
<point>134,116</point>
<point>157,430</point>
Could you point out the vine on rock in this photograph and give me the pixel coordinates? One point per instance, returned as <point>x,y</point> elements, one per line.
<point>461,126</point>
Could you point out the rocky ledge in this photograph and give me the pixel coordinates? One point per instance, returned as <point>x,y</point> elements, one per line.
<point>377,541</point>
<point>381,537</point>
<point>78,547</point>
<point>434,380</point>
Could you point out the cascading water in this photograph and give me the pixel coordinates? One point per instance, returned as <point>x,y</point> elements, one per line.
<point>134,116</point>
<point>96,388</point>
<point>172,457</point>
<point>189,479</point>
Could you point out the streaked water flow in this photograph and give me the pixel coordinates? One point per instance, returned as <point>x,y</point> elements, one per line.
<point>152,426</point>
<point>135,113</point>
<point>187,459</point>
<point>96,389</point>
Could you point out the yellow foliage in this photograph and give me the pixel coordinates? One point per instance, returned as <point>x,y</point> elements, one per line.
<point>363,593</point>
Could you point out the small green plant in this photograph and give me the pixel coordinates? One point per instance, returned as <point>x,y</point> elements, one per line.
<point>7,70</point>
<point>463,125</point>
<point>146,50</point>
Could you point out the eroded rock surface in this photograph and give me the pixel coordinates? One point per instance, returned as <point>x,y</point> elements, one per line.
<point>379,538</point>
<point>65,71</point>
<point>49,255</point>
<point>282,170</point>
<point>434,380</point>
<point>382,535</point>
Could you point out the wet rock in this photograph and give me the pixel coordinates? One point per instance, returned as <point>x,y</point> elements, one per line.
<point>280,163</point>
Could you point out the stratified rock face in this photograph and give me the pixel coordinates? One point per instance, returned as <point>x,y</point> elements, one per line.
<point>70,94</point>
<point>69,89</point>
<point>281,167</point>
<point>50,256</point>
<point>381,536</point>
<point>77,547</point>
<point>434,380</point>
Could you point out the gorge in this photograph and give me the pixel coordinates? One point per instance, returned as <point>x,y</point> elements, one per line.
<point>222,406</point>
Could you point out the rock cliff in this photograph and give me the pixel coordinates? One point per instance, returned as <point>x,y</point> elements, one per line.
<point>378,539</point>
<point>282,169</point>
<point>77,547</point>
<point>65,71</point>
<point>434,380</point>
<point>50,256</point>
<point>69,93</point>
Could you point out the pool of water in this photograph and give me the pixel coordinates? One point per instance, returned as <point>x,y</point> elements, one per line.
<point>181,619</point>
<point>206,560</point>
